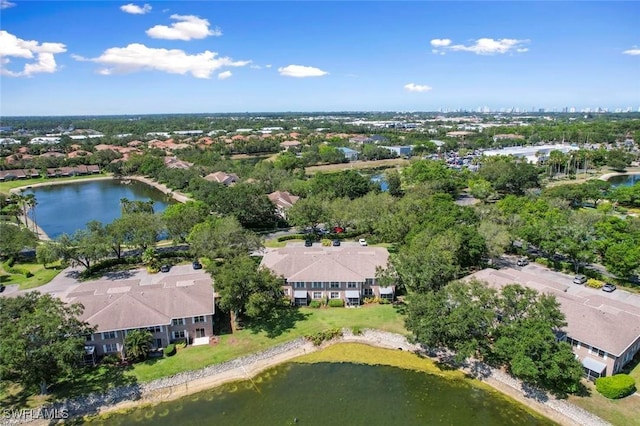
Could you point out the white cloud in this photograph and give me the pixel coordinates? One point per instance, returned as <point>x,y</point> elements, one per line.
<point>440,42</point>
<point>138,57</point>
<point>43,53</point>
<point>300,71</point>
<point>268,66</point>
<point>224,75</point>
<point>634,51</point>
<point>134,9</point>
<point>481,46</point>
<point>6,4</point>
<point>412,87</point>
<point>188,27</point>
<point>255,67</point>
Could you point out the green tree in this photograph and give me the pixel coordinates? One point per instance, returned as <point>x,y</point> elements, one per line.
<point>47,252</point>
<point>42,339</point>
<point>14,239</point>
<point>137,344</point>
<point>85,246</point>
<point>180,218</point>
<point>222,237</point>
<point>248,291</point>
<point>308,212</point>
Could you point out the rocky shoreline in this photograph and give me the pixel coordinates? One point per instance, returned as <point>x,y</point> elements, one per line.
<point>186,383</point>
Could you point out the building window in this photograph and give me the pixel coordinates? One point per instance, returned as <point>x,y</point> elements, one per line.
<point>155,329</point>
<point>88,338</point>
<point>179,334</point>
<point>109,335</point>
<point>317,284</point>
<point>335,295</point>
<point>178,321</point>
<point>368,281</point>
<point>110,347</point>
<point>286,291</point>
<point>299,285</point>
<point>199,318</point>
<point>334,284</point>
<point>367,292</point>
<point>352,285</point>
<point>317,295</point>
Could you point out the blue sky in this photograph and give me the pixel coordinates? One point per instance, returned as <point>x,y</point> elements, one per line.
<point>109,57</point>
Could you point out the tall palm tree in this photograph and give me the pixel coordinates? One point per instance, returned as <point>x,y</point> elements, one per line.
<point>31,202</point>
<point>137,344</point>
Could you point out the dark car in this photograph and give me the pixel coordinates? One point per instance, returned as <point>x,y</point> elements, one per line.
<point>196,265</point>
<point>2,287</point>
<point>608,287</point>
<point>335,243</point>
<point>308,243</point>
<point>165,268</point>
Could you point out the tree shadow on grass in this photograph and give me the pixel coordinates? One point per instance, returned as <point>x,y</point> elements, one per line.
<point>94,379</point>
<point>281,320</point>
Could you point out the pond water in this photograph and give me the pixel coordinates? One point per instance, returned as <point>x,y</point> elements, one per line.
<point>339,394</point>
<point>624,180</point>
<point>68,207</point>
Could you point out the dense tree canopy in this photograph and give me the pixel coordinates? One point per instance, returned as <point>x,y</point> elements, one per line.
<point>41,339</point>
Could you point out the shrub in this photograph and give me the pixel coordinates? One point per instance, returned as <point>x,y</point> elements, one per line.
<point>180,344</point>
<point>323,336</point>
<point>170,350</point>
<point>617,386</point>
<point>291,237</point>
<point>543,261</point>
<point>28,274</point>
<point>336,303</point>
<point>315,304</point>
<point>356,330</point>
<point>111,359</point>
<point>593,283</point>
<point>326,242</point>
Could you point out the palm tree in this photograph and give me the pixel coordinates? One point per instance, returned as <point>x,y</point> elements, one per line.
<point>31,202</point>
<point>137,344</point>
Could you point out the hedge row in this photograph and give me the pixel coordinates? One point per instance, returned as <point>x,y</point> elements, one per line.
<point>170,350</point>
<point>617,386</point>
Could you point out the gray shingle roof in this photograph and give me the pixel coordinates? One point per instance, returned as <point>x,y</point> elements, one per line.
<point>128,304</point>
<point>326,264</point>
<point>599,321</point>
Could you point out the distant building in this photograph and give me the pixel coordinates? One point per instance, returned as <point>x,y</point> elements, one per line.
<point>287,145</point>
<point>188,132</point>
<point>400,150</point>
<point>533,154</point>
<point>223,178</point>
<point>283,200</point>
<point>349,154</point>
<point>359,140</point>
<point>45,140</point>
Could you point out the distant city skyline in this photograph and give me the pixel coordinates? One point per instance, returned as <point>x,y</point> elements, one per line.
<point>124,58</point>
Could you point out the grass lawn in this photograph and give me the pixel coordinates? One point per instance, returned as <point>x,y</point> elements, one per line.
<point>620,412</point>
<point>274,243</point>
<point>246,341</point>
<point>41,275</point>
<point>5,187</point>
<point>328,168</point>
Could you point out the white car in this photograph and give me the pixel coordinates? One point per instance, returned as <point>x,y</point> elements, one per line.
<point>362,242</point>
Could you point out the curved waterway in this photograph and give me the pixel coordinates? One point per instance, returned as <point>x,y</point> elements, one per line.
<point>68,207</point>
<point>337,394</point>
<point>624,180</point>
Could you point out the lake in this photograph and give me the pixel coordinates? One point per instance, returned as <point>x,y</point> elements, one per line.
<point>68,207</point>
<point>624,180</point>
<point>339,394</point>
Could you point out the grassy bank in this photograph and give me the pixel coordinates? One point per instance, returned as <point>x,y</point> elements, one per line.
<point>247,341</point>
<point>5,187</point>
<point>243,342</point>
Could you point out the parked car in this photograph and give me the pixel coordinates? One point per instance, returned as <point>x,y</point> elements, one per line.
<point>335,243</point>
<point>2,287</point>
<point>165,268</point>
<point>196,265</point>
<point>308,243</point>
<point>362,242</point>
<point>523,261</point>
<point>580,279</point>
<point>608,287</point>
